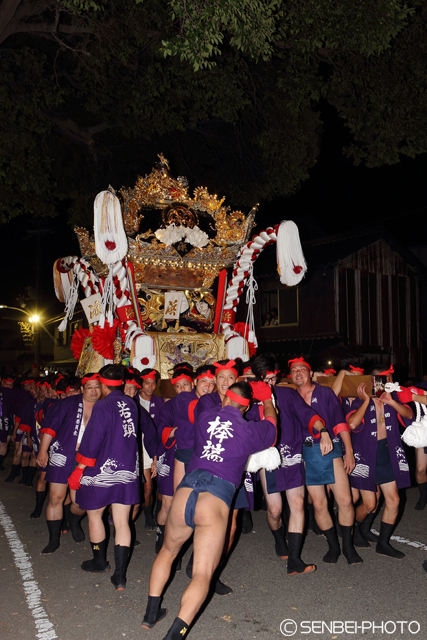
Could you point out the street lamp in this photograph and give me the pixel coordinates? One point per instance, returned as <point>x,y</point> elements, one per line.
<point>33,319</point>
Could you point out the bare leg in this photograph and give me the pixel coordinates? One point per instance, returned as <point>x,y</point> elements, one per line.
<point>391,509</point>
<point>342,494</point>
<point>178,473</point>
<point>96,525</point>
<point>57,493</point>
<point>121,524</point>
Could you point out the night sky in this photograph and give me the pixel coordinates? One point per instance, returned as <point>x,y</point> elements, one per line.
<point>337,196</point>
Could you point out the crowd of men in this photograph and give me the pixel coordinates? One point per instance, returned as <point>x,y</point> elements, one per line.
<point>105,445</point>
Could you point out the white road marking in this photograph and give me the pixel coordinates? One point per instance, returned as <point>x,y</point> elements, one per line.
<point>44,628</point>
<point>411,543</point>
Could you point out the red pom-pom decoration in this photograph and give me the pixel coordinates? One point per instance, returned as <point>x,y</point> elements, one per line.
<point>103,339</point>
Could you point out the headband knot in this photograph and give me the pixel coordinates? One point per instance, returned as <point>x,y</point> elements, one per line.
<point>301,360</point>
<point>236,398</point>
<point>183,376</point>
<point>94,376</point>
<point>357,370</point>
<point>229,365</point>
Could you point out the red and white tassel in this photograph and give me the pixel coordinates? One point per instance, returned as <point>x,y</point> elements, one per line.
<point>290,258</point>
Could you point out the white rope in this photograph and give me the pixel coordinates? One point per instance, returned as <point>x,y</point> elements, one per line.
<point>252,288</point>
<point>390,387</point>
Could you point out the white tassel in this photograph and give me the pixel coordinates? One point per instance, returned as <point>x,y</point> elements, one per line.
<point>290,258</point>
<point>144,349</point>
<point>268,459</point>
<point>416,434</point>
<point>107,299</point>
<point>237,347</point>
<point>110,238</point>
<point>71,303</point>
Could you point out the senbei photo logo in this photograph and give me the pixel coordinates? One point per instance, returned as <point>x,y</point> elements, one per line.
<point>289,627</point>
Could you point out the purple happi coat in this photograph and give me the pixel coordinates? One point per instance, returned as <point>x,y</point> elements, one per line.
<point>26,416</point>
<point>185,404</point>
<point>109,449</point>
<point>155,407</point>
<point>5,415</point>
<point>325,403</point>
<point>148,429</point>
<point>295,416</point>
<point>62,422</point>
<point>365,441</point>
<point>224,440</point>
<point>166,448</point>
<point>213,400</point>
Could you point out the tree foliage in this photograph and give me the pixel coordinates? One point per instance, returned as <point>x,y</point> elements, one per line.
<point>229,90</point>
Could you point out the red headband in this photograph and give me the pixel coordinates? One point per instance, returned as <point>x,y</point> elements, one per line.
<point>59,393</point>
<point>357,370</point>
<point>147,376</point>
<point>94,376</point>
<point>111,383</point>
<point>247,369</point>
<point>236,398</point>
<point>42,384</point>
<point>385,373</point>
<point>8,380</point>
<point>225,367</point>
<point>208,374</point>
<point>133,381</point>
<point>27,381</point>
<point>298,361</point>
<point>183,376</point>
<point>329,372</point>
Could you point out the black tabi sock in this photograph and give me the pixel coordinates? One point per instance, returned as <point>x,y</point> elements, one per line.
<point>422,501</point>
<point>153,612</point>
<point>247,523</point>
<point>150,523</point>
<point>65,525</point>
<point>14,473</point>
<point>358,538</point>
<point>99,563</point>
<point>334,547</point>
<point>383,545</point>
<point>365,527</point>
<point>24,477</point>
<point>280,542</point>
<point>295,564</point>
<point>76,530</point>
<point>40,496</point>
<point>177,631</point>
<point>160,536</point>
<point>121,556</point>
<point>31,473</point>
<point>347,546</point>
<point>54,528</point>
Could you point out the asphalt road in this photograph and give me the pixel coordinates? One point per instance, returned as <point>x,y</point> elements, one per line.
<point>50,597</point>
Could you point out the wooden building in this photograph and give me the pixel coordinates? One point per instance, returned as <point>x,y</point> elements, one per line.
<point>360,301</point>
